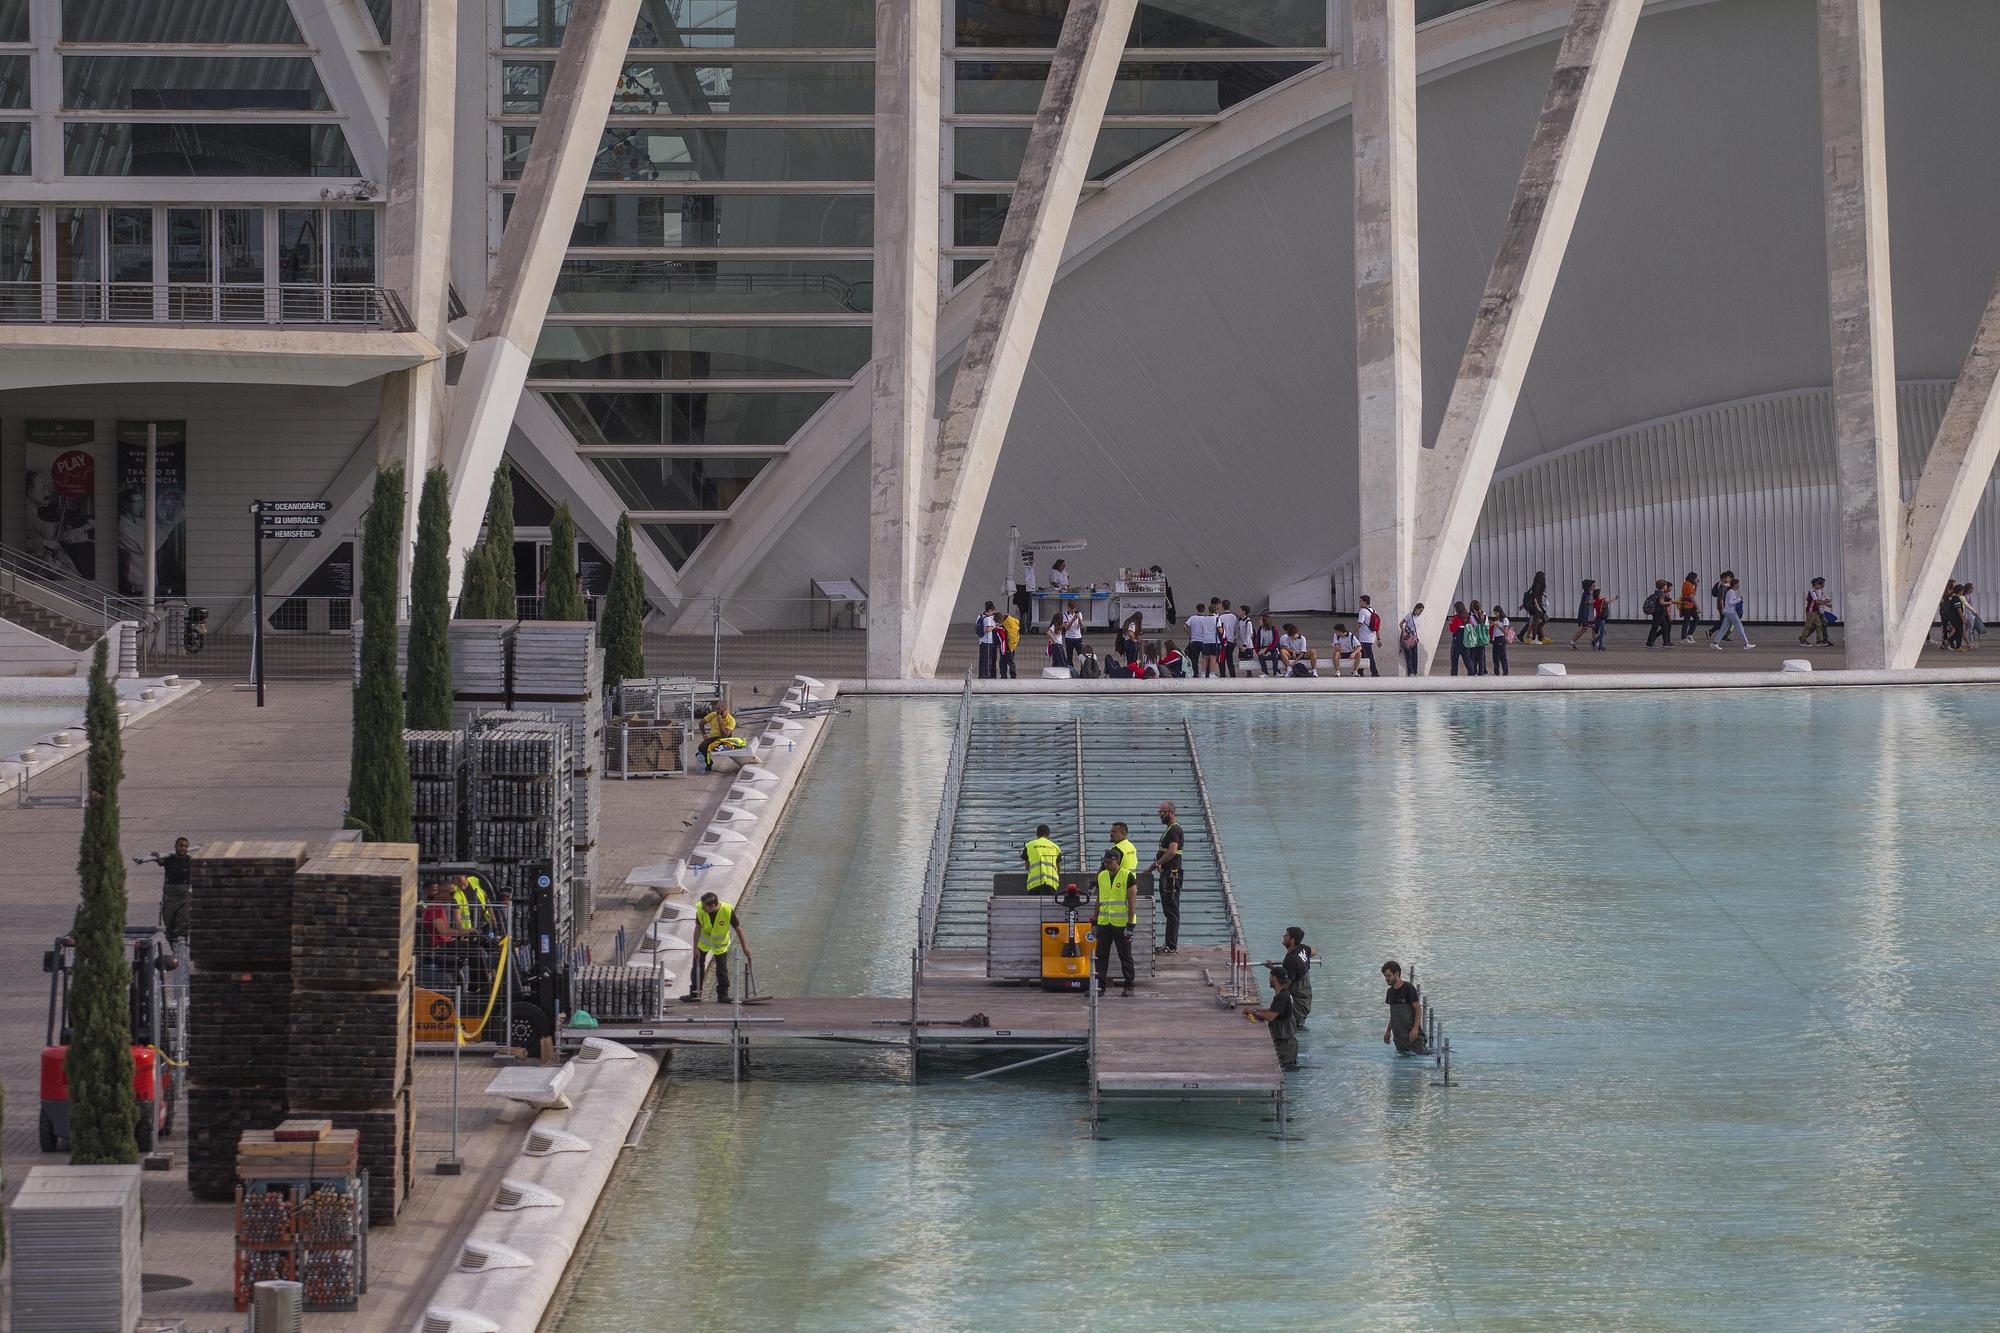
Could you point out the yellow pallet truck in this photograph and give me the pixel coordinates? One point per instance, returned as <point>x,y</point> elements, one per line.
<point>1067,946</point>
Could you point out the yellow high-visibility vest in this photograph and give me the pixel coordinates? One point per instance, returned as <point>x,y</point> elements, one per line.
<point>462,911</point>
<point>1129,854</point>
<point>718,723</point>
<point>1114,898</point>
<point>712,932</point>
<point>1044,865</point>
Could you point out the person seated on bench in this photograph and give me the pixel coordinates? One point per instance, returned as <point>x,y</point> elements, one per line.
<point>1346,649</point>
<point>1171,662</point>
<point>1298,657</point>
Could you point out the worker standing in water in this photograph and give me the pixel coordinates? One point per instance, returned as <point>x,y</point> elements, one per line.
<point>1298,973</point>
<point>1114,918</point>
<point>1167,866</point>
<point>1406,1012</point>
<point>1282,1015</point>
<point>1044,860</point>
<point>714,920</point>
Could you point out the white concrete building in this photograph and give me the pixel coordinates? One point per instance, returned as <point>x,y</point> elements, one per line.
<point>230,217</point>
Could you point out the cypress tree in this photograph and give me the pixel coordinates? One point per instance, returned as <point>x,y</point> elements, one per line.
<point>500,539</point>
<point>563,602</point>
<point>478,592</point>
<point>430,610</point>
<point>624,614</point>
<point>378,775</point>
<point>103,1114</point>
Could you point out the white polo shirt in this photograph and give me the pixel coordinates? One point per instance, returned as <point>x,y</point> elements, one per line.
<point>1201,629</point>
<point>1365,630</point>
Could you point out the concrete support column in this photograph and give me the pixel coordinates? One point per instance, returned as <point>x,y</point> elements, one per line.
<point>1954,479</point>
<point>1388,342</point>
<point>416,239</point>
<point>1547,198</point>
<point>531,254</point>
<point>908,74</point>
<point>1864,345</point>
<point>1017,283</point>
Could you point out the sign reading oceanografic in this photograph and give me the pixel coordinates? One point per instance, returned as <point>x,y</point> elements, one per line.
<point>294,506</point>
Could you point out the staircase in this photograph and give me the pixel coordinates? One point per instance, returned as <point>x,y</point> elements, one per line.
<point>51,626</point>
<point>1017,775</point>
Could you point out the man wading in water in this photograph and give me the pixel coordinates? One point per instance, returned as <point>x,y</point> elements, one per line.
<point>1406,1013</point>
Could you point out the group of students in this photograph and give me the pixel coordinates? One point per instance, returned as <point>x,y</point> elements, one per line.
<point>1959,624</point>
<point>1221,641</point>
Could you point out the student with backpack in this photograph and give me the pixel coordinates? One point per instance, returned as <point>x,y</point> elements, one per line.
<point>1535,605</point>
<point>1658,607</point>
<point>987,626</point>
<point>1586,613</point>
<point>1690,607</point>
<point>1475,638</point>
<point>1718,593</point>
<point>1600,618</point>
<point>1454,625</point>
<point>1408,636</point>
<point>1732,616</point>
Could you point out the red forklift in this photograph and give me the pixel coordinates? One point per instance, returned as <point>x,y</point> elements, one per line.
<point>159,1014</point>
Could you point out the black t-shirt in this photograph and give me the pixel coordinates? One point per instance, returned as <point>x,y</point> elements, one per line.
<point>179,867</point>
<point>1285,1020</point>
<point>1402,993</point>
<point>1171,865</point>
<point>1298,964</point>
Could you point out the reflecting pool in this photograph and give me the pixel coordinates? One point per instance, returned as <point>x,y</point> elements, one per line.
<point>1718,969</point>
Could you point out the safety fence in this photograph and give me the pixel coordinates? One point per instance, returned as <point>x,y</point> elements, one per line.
<point>463,1003</point>
<point>1242,987</point>
<point>947,819</point>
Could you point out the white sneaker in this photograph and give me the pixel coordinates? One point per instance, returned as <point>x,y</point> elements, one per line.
<point>1713,644</point>
<point>1748,646</point>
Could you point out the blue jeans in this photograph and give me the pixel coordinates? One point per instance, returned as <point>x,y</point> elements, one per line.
<point>1730,620</point>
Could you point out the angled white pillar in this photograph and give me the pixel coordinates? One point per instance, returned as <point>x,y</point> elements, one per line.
<point>531,255</point>
<point>1018,279</point>
<point>1388,341</point>
<point>416,239</point>
<point>908,74</point>
<point>1864,344</point>
<point>1953,482</point>
<point>1457,472</point>
<point>343,38</point>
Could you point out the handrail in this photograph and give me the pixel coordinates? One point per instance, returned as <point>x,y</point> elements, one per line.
<point>203,303</point>
<point>1241,988</point>
<point>1082,825</point>
<point>947,819</point>
<point>65,594</point>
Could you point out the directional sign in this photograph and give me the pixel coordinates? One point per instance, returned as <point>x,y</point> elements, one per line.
<point>271,521</point>
<point>291,534</point>
<point>294,506</point>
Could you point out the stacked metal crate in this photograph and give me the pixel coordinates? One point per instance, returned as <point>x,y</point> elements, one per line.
<point>437,784</point>
<point>521,808</point>
<point>76,1249</point>
<point>240,1002</point>
<point>559,669</point>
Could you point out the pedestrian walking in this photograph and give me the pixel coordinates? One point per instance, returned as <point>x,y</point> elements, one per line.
<point>1951,619</point>
<point>1368,629</point>
<point>1732,616</point>
<point>1659,607</point>
<point>1717,593</point>
<point>1818,603</point>
<point>1690,606</point>
<point>990,634</point>
<point>1586,613</point>
<point>1535,606</point>
<point>1166,869</point>
<point>1600,618</point>
<point>1406,1012</point>
<point>1072,623</point>
<point>1499,632</point>
<point>1409,633</point>
<point>1975,625</point>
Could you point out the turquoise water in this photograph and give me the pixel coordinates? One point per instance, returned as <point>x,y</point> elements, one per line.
<point>25,721</point>
<point>1718,970</point>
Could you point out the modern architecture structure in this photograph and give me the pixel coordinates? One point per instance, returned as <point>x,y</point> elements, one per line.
<point>839,289</point>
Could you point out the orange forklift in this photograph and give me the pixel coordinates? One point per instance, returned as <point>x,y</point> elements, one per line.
<point>159,1013</point>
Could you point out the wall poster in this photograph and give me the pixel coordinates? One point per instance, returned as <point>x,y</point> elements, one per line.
<point>169,513</point>
<point>62,496</point>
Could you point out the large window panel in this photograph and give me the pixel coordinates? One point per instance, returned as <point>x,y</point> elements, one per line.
<point>977,218</point>
<point>131,22</point>
<point>192,83</point>
<point>14,148</point>
<point>810,220</point>
<point>994,153</point>
<point>713,287</point>
<point>78,240</point>
<point>20,261</point>
<point>13,20</point>
<point>351,237</point>
<point>717,24</point>
<point>1144,88</point>
<point>1159,23</point>
<point>678,88</point>
<point>679,483</point>
<point>642,154</point>
<point>14,95</point>
<point>205,148</point>
<point>677,541</point>
<point>697,352</point>
<point>748,420</point>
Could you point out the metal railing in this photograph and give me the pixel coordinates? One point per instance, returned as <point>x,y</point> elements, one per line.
<point>222,303</point>
<point>1242,989</point>
<point>947,819</point>
<point>66,595</point>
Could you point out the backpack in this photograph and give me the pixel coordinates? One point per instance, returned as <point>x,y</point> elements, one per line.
<point>1651,605</point>
<point>1715,590</point>
<point>1474,634</point>
<point>1409,639</point>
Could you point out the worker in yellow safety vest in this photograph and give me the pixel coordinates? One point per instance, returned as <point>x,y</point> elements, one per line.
<point>713,922</point>
<point>1114,918</point>
<point>1044,859</point>
<point>470,910</point>
<point>1128,855</point>
<point>718,727</point>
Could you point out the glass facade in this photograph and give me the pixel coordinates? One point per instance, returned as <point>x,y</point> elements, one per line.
<point>708,24</point>
<point>679,483</point>
<point>736,287</point>
<point>677,541</point>
<point>645,153</point>
<point>1158,23</point>
<point>204,148</point>
<point>687,420</point>
<point>683,88</point>
<point>13,83</point>
<point>146,22</point>
<point>13,20</point>
<point>698,352</point>
<point>804,221</point>
<point>192,83</point>
<point>988,153</point>
<point>1150,88</point>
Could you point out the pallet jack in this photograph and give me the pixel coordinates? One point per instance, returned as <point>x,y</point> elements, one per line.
<point>1068,946</point>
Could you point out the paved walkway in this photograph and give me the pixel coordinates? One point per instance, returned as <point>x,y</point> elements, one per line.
<point>211,767</point>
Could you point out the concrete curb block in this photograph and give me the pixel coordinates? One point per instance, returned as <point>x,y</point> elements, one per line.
<point>1522,684</point>
<point>509,1296</point>
<point>14,770</point>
